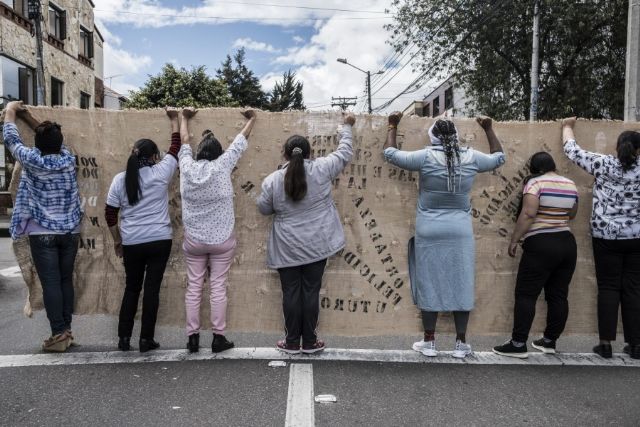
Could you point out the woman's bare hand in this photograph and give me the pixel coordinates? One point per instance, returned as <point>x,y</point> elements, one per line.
<point>189,112</point>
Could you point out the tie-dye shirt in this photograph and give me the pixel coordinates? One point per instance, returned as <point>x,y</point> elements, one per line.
<point>557,196</point>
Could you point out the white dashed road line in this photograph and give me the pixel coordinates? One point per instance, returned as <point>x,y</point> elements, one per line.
<point>333,354</point>
<point>300,401</point>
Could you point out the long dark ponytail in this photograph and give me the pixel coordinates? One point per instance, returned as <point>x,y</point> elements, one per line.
<point>142,155</point>
<point>296,149</point>
<point>539,164</point>
<point>627,148</point>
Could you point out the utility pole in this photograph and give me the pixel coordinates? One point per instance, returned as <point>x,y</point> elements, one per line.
<point>535,60</point>
<point>35,14</point>
<point>369,91</point>
<point>343,103</point>
<point>632,87</point>
<point>368,73</point>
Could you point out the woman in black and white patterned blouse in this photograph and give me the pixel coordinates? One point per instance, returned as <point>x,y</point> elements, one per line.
<point>615,229</point>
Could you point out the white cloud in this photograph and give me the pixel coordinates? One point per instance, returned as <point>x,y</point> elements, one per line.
<point>363,43</point>
<point>250,44</point>
<point>120,65</point>
<point>150,13</point>
<point>268,81</point>
<point>337,35</point>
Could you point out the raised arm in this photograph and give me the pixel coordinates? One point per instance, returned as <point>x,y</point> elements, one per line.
<point>486,123</point>
<point>333,164</point>
<point>172,113</point>
<point>394,121</point>
<point>12,110</point>
<point>187,114</point>
<point>567,129</point>
<point>12,140</point>
<point>248,127</point>
<point>585,159</point>
<point>409,160</point>
<point>31,121</point>
<point>230,157</point>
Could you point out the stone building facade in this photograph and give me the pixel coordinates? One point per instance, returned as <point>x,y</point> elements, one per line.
<point>72,56</point>
<point>70,43</point>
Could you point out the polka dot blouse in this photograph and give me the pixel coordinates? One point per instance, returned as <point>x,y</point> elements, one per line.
<point>207,193</point>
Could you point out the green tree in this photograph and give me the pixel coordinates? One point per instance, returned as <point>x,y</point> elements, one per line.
<point>244,87</point>
<point>487,44</point>
<point>287,94</point>
<point>181,88</point>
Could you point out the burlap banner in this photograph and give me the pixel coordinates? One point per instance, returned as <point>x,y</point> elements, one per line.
<point>366,289</point>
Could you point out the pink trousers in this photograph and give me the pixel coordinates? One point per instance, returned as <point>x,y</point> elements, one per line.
<point>216,260</point>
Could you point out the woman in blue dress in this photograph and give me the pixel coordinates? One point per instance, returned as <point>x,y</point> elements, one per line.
<point>442,253</point>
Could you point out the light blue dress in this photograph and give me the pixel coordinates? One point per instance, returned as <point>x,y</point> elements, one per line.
<point>442,253</point>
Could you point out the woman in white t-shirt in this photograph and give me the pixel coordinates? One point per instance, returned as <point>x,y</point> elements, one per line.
<point>208,218</point>
<point>141,196</point>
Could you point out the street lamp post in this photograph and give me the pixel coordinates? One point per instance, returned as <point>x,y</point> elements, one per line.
<point>34,7</point>
<point>368,73</point>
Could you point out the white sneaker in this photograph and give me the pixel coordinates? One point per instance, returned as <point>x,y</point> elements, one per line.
<point>428,348</point>
<point>461,350</point>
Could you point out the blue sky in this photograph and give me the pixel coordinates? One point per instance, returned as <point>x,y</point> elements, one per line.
<point>305,36</point>
<point>199,44</point>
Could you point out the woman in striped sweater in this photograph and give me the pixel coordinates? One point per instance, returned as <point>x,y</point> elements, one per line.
<point>549,255</point>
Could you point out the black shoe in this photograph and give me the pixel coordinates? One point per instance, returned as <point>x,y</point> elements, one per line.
<point>632,350</point>
<point>547,347</point>
<point>194,343</point>
<point>124,343</point>
<point>147,344</point>
<point>510,350</point>
<point>604,350</point>
<point>220,343</point>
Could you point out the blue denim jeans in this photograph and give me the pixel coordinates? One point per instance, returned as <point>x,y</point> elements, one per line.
<point>54,256</point>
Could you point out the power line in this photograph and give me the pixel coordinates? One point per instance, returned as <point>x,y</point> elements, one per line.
<point>415,83</point>
<point>239,18</point>
<point>412,36</point>
<point>290,6</point>
<point>440,28</point>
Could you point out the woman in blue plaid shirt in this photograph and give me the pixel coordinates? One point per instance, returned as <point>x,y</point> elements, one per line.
<point>47,210</point>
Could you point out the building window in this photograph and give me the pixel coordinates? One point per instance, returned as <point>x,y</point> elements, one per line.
<point>57,92</point>
<point>448,99</point>
<point>85,100</point>
<point>17,82</point>
<point>426,111</point>
<point>18,6</point>
<point>57,22</point>
<point>86,43</point>
<point>436,107</point>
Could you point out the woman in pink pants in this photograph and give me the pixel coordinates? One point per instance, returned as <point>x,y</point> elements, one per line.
<point>208,218</point>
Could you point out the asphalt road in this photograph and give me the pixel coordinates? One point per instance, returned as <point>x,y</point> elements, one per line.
<point>250,393</point>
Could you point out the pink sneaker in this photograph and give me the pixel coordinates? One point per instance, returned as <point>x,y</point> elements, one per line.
<point>288,348</point>
<point>313,348</point>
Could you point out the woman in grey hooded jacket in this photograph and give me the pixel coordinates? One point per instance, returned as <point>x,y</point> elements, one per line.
<point>306,231</point>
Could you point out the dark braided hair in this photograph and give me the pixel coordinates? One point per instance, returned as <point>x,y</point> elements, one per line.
<point>446,132</point>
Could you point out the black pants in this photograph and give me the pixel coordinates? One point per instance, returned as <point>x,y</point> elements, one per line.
<point>54,256</point>
<point>548,262</point>
<point>618,275</point>
<point>301,301</point>
<point>143,264</point>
